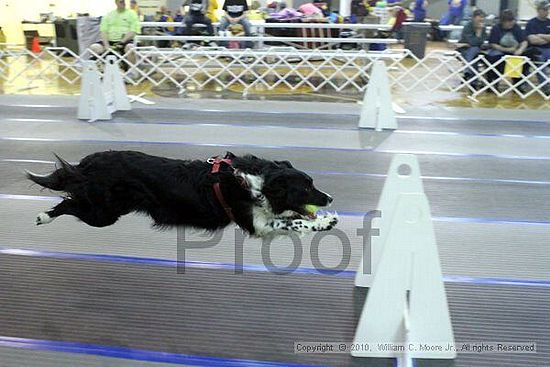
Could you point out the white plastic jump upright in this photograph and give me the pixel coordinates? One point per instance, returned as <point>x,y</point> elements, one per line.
<point>377,111</point>
<point>113,86</point>
<point>406,305</point>
<point>98,100</point>
<point>92,104</point>
<point>395,183</point>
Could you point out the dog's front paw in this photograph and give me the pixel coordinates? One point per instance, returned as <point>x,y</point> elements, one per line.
<point>43,218</point>
<point>325,222</point>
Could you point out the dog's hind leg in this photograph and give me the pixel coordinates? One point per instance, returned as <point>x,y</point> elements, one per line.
<point>90,215</point>
<point>64,207</point>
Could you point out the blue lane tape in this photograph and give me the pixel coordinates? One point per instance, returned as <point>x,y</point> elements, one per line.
<point>225,145</point>
<point>356,174</point>
<point>479,120</point>
<point>16,160</point>
<point>461,219</point>
<point>136,354</point>
<point>484,135</point>
<point>205,124</point>
<point>496,281</point>
<point>252,268</point>
<point>306,128</point>
<point>435,178</point>
<point>29,197</point>
<point>164,262</point>
<point>465,155</point>
<point>354,114</point>
<point>492,221</point>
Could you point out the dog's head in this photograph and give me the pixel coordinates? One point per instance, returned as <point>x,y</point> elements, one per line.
<point>288,189</point>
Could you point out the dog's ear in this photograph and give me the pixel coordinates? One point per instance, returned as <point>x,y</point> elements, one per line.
<point>273,191</point>
<point>229,155</point>
<point>274,186</point>
<point>286,164</point>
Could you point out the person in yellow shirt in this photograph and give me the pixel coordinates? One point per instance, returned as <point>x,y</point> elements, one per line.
<point>213,6</point>
<point>135,7</point>
<point>118,29</point>
<point>255,13</point>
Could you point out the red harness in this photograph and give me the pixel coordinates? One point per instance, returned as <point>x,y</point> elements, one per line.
<point>216,162</point>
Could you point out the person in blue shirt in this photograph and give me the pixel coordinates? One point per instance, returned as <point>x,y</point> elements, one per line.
<point>506,38</point>
<point>456,11</point>
<point>538,35</point>
<point>419,10</point>
<point>453,16</point>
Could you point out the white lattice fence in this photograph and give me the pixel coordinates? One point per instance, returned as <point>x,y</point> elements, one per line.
<point>443,70</point>
<point>50,65</point>
<point>527,85</point>
<point>269,69</point>
<point>282,67</point>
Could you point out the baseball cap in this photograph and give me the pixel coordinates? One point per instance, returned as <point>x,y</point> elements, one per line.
<point>542,4</point>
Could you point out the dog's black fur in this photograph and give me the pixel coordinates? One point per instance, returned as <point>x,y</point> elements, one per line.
<point>173,192</point>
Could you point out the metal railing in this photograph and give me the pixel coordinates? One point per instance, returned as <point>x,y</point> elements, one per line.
<point>261,29</point>
<point>262,39</point>
<point>264,25</point>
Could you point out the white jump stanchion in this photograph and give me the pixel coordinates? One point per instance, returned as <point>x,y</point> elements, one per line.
<point>406,306</point>
<point>409,282</point>
<point>98,100</point>
<point>377,110</point>
<point>92,105</point>
<point>395,183</point>
<point>114,88</point>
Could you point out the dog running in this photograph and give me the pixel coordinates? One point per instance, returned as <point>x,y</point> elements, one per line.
<point>262,197</point>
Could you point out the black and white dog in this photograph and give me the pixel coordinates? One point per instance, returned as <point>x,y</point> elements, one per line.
<point>263,197</point>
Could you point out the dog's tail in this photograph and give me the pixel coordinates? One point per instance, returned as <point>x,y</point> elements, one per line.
<point>59,179</point>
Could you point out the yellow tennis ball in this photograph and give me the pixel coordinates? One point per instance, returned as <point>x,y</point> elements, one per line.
<point>312,208</point>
